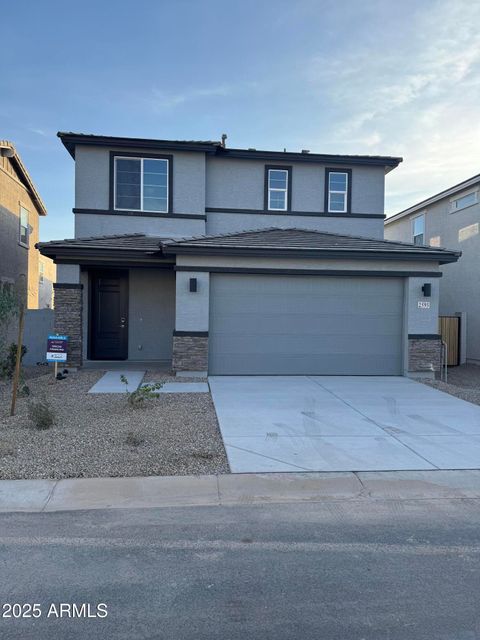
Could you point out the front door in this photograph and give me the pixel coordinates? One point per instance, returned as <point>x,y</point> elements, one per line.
<point>109,315</point>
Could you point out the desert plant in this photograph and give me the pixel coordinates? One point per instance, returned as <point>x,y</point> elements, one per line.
<point>42,414</point>
<point>136,399</point>
<point>7,364</point>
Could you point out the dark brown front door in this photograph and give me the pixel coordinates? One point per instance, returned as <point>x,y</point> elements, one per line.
<point>109,315</point>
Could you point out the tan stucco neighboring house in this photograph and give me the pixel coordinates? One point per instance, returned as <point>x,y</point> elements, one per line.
<point>20,209</point>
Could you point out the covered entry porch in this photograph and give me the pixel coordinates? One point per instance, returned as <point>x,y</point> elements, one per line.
<point>115,299</point>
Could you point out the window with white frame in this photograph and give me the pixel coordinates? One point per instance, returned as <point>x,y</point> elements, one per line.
<point>418,230</point>
<point>337,191</point>
<point>464,201</point>
<point>23,226</point>
<point>278,189</point>
<point>141,184</point>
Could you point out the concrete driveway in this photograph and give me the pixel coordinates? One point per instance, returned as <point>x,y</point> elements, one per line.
<point>330,423</point>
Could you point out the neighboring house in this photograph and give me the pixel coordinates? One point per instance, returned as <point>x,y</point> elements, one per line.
<point>450,219</point>
<point>47,275</point>
<point>240,261</point>
<point>20,211</point>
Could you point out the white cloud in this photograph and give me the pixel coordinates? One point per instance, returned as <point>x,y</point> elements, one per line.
<point>419,100</point>
<point>164,100</point>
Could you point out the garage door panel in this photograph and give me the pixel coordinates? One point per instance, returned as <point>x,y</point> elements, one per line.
<point>305,325</point>
<point>280,325</point>
<point>283,302</point>
<point>334,364</point>
<point>295,345</point>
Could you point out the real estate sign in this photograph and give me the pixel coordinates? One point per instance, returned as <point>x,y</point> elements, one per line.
<point>57,348</point>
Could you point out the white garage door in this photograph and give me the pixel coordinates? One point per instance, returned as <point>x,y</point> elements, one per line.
<point>301,325</point>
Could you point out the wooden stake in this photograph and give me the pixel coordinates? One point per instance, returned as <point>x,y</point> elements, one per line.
<point>16,375</point>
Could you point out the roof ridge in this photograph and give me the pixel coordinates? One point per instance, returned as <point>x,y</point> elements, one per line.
<point>222,235</point>
<point>316,232</point>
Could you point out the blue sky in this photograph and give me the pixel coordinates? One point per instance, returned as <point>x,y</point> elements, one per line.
<point>340,76</point>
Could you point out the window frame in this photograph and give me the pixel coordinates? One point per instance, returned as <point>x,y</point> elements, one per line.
<point>420,215</point>
<point>141,157</point>
<point>348,192</point>
<point>26,244</point>
<point>288,197</point>
<point>457,197</point>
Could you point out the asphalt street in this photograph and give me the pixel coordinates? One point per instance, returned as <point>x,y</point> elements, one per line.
<point>339,570</point>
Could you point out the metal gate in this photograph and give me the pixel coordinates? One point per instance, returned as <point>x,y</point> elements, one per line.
<point>449,329</point>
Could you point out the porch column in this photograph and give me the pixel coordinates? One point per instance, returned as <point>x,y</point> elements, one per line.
<point>190,338</point>
<point>424,341</point>
<point>68,304</point>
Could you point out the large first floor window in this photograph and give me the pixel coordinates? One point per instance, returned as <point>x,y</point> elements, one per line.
<point>338,191</point>
<point>23,227</point>
<point>141,184</point>
<point>418,229</point>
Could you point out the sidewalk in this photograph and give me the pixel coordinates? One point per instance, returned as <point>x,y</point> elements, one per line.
<point>234,489</point>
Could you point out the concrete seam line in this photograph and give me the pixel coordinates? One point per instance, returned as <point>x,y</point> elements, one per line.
<point>50,495</point>
<point>218,490</point>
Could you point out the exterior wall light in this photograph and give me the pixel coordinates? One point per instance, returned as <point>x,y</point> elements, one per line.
<point>427,289</point>
<point>193,285</point>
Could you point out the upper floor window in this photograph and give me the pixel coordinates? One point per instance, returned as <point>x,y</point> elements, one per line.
<point>464,201</point>
<point>278,188</point>
<point>418,229</point>
<point>23,226</point>
<point>141,184</point>
<point>338,191</point>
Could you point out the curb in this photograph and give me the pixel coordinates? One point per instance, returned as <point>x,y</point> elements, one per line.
<point>234,489</point>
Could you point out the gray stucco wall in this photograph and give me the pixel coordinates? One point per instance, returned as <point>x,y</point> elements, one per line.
<point>92,169</point>
<point>92,179</point>
<point>231,222</point>
<point>151,314</point>
<point>240,184</point>
<point>421,320</point>
<point>87,225</point>
<point>192,308</point>
<point>459,289</point>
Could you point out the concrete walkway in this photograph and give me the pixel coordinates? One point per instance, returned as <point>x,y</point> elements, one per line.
<point>111,382</point>
<point>343,423</point>
<point>231,489</point>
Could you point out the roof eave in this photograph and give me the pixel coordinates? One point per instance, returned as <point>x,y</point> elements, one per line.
<point>442,257</point>
<point>71,140</point>
<point>388,162</point>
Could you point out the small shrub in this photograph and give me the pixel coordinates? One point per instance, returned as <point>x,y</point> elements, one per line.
<point>7,365</point>
<point>136,399</point>
<point>41,413</point>
<point>134,439</point>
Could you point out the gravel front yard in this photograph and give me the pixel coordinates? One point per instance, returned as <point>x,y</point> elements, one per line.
<point>463,382</point>
<point>101,435</point>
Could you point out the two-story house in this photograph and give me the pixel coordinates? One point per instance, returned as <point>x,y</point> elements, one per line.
<point>450,218</point>
<point>240,261</point>
<point>21,208</point>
